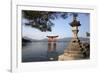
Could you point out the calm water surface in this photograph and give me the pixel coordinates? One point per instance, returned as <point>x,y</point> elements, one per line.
<point>38,51</point>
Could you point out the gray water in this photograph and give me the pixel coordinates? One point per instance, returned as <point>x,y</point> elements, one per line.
<point>38,51</point>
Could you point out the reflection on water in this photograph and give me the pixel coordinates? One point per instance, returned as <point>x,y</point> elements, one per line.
<point>38,51</point>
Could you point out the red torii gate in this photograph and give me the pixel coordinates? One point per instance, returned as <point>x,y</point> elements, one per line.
<point>52,43</point>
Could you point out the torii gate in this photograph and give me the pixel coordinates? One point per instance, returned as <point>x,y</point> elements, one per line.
<point>52,43</point>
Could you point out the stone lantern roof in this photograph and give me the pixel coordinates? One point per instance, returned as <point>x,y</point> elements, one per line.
<point>75,22</point>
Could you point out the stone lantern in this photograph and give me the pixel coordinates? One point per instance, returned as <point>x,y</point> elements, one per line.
<point>73,51</point>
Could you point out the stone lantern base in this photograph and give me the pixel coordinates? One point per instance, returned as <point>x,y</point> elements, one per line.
<point>73,51</point>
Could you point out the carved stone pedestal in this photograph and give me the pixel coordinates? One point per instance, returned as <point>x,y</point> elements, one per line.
<point>73,51</point>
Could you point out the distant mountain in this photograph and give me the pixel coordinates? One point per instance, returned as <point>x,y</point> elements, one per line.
<point>61,40</point>
<point>26,40</point>
<point>69,39</point>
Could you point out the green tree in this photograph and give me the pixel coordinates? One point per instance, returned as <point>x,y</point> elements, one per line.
<point>42,20</point>
<point>87,34</point>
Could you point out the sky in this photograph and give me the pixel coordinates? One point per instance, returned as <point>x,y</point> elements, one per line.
<point>61,28</point>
